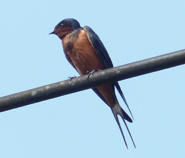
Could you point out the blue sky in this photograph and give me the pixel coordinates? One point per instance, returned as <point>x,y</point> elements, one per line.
<point>80,124</point>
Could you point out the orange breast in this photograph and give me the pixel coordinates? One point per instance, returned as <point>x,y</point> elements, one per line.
<point>82,54</point>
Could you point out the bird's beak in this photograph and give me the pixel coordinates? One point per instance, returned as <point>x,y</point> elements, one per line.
<point>52,33</point>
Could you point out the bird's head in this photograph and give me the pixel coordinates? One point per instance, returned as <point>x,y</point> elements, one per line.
<point>65,27</point>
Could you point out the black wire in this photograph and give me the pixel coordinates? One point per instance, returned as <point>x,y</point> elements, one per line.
<point>98,78</point>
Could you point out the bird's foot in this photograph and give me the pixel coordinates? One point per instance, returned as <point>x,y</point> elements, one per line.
<point>71,78</point>
<point>90,73</point>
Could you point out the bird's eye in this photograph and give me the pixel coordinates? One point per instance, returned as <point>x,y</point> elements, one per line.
<point>61,24</point>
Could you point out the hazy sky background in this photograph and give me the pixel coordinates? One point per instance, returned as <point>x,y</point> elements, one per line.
<point>80,125</point>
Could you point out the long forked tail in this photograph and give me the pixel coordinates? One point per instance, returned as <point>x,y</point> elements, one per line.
<point>123,97</point>
<point>117,110</point>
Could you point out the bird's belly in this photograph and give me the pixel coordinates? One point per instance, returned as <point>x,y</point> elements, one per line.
<point>85,61</point>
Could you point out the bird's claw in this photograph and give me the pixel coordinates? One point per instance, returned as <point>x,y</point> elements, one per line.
<point>71,78</point>
<point>90,73</point>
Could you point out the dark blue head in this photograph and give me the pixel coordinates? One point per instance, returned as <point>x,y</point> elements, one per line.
<point>65,27</point>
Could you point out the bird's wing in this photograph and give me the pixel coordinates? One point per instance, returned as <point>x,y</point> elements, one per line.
<point>99,94</point>
<point>98,47</point>
<point>70,61</point>
<point>104,57</point>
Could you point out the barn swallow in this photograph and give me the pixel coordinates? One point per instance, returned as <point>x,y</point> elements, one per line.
<point>85,52</point>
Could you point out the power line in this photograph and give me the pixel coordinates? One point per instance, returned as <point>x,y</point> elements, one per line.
<point>98,78</point>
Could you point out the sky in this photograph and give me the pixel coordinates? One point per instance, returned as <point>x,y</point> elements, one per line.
<point>81,125</point>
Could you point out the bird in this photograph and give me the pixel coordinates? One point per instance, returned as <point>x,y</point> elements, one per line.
<point>86,53</point>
